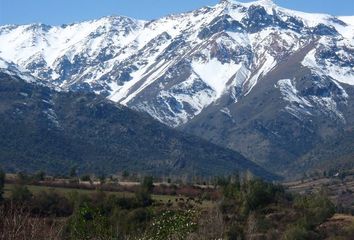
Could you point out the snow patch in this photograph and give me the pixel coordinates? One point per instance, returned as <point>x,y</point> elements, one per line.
<point>340,74</point>
<point>291,94</point>
<point>268,64</point>
<point>215,74</point>
<point>347,19</point>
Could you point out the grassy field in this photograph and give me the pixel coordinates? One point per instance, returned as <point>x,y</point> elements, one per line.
<point>65,191</point>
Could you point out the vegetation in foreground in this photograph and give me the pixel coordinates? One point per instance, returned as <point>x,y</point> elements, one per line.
<point>243,209</point>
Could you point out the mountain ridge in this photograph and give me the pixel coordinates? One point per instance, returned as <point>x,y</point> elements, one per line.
<point>199,69</point>
<point>43,129</point>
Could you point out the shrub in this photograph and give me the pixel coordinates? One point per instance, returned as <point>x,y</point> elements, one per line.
<point>20,193</point>
<point>130,221</point>
<point>50,203</point>
<point>88,223</point>
<point>296,233</point>
<point>235,232</point>
<point>173,225</point>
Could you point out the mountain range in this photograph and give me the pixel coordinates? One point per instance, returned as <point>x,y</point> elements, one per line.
<point>272,83</point>
<point>53,131</point>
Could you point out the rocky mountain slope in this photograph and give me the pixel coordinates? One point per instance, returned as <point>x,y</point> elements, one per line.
<point>43,129</point>
<point>270,82</point>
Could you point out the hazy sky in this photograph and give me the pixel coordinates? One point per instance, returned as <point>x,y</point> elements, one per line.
<point>67,11</point>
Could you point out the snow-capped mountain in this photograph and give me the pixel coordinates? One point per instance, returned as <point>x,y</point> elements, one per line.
<point>46,130</point>
<point>198,69</point>
<point>176,66</point>
<point>15,70</point>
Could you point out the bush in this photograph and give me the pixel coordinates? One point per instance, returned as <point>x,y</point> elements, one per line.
<point>173,225</point>
<point>51,204</point>
<point>138,218</point>
<point>20,193</point>
<point>296,233</point>
<point>235,232</point>
<point>88,223</point>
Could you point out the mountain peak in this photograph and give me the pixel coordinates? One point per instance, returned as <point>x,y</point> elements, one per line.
<point>265,2</point>
<point>258,2</point>
<point>268,5</point>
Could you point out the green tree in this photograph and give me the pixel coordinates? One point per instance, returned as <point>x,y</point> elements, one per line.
<point>259,193</point>
<point>39,176</point>
<point>86,178</point>
<point>125,174</point>
<point>148,184</point>
<point>143,195</point>
<point>73,172</point>
<point>102,178</point>
<point>316,207</point>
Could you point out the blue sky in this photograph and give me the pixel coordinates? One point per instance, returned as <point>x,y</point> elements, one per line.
<point>58,12</point>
